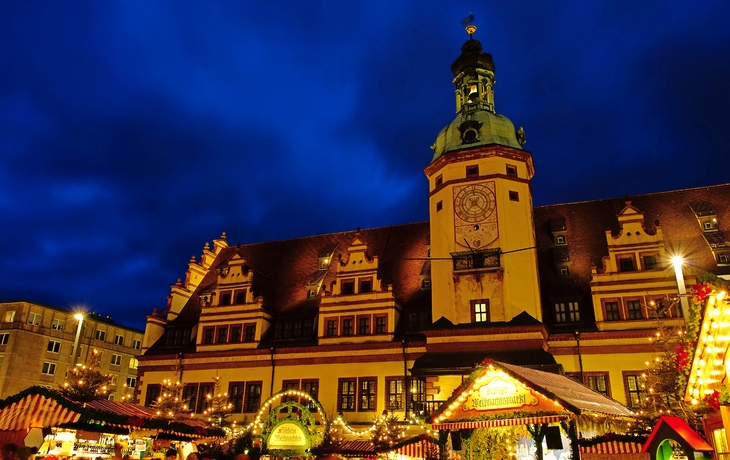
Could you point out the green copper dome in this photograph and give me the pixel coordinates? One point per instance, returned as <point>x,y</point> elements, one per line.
<point>476,124</point>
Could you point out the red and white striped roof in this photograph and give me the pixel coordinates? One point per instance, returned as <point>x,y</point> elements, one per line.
<point>35,411</point>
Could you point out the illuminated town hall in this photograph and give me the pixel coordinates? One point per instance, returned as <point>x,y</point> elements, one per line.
<point>394,318</point>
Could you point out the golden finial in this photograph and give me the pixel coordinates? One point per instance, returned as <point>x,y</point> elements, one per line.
<point>470,28</point>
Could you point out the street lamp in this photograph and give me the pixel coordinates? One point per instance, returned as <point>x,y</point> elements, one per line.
<point>677,261</point>
<point>80,317</point>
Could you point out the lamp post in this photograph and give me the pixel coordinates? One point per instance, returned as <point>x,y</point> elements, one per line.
<point>677,261</point>
<point>79,317</point>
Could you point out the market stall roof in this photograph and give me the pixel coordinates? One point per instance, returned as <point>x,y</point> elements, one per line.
<point>38,407</point>
<point>678,426</point>
<point>500,394</point>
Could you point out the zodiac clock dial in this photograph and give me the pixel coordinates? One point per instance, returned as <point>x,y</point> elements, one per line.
<point>474,203</point>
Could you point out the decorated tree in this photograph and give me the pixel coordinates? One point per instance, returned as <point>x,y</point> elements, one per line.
<point>496,442</point>
<point>386,431</point>
<point>220,406</point>
<point>170,402</point>
<point>86,382</point>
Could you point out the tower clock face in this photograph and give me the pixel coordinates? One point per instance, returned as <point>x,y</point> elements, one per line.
<point>475,222</point>
<point>474,203</point>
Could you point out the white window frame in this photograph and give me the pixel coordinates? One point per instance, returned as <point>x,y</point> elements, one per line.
<point>116,360</point>
<point>133,381</point>
<point>48,368</point>
<point>114,379</point>
<point>4,338</point>
<point>54,346</point>
<point>34,318</point>
<point>119,340</point>
<point>100,335</point>
<point>136,344</point>
<point>57,324</point>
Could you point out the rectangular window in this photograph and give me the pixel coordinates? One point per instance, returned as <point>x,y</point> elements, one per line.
<point>439,180</point>
<point>34,318</point>
<point>472,171</point>
<point>439,205</point>
<point>632,383</point>
<point>598,383</point>
<point>225,298</point>
<point>331,328</point>
<point>612,312</point>
<point>560,239</point>
<point>564,271</point>
<point>57,324</point>
<point>290,385</point>
<point>723,258</point>
<point>240,297</point>
<point>203,391</point>
<point>626,264</point>
<point>190,396</point>
<point>48,368</point>
<point>366,285</point>
<point>512,170</point>
<point>131,382</point>
<point>10,316</point>
<point>394,395</point>
<point>119,340</point>
<point>235,334</point>
<point>153,392</point>
<point>100,335</point>
<point>634,309</point>
<point>650,262</point>
<point>311,386</point>
<point>348,287</point>
<point>480,311</point>
<point>367,394</point>
<point>53,346</point>
<point>235,396</point>
<point>136,344</point>
<point>4,337</point>
<point>514,196</point>
<point>208,335</point>
<point>133,362</point>
<point>253,396</point>
<point>346,395</point>
<point>567,312</point>
<point>347,326</point>
<point>116,360</point>
<point>222,335</point>
<point>381,324</point>
<point>114,380</point>
<point>363,326</point>
<point>250,332</point>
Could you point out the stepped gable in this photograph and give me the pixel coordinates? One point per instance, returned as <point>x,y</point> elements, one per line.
<point>586,224</point>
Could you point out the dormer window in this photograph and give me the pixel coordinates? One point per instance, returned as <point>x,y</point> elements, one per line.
<point>324,263</point>
<point>708,225</point>
<point>723,258</point>
<point>426,283</point>
<point>311,293</point>
<point>560,239</point>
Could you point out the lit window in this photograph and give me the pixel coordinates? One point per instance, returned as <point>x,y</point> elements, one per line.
<point>253,397</point>
<point>633,388</point>
<point>53,346</point>
<point>133,363</point>
<point>114,379</point>
<point>9,316</point>
<point>48,368</point>
<point>394,396</point>
<point>367,394</point>
<point>480,311</point>
<point>346,395</point>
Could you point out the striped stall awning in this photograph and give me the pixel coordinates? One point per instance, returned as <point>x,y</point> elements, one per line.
<point>423,448</point>
<point>495,423</point>
<point>35,411</point>
<point>612,447</point>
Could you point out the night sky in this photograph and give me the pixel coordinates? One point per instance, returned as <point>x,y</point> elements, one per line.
<point>133,132</point>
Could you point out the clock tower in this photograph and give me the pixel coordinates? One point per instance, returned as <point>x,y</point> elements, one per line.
<point>483,257</point>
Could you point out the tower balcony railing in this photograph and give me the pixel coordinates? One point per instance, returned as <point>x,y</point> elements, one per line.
<point>476,259</point>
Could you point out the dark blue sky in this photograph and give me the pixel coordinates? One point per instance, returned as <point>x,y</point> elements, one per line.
<point>133,132</point>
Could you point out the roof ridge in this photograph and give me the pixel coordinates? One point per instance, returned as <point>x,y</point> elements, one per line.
<point>633,196</point>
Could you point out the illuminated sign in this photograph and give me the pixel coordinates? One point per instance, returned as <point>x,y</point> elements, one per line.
<point>287,435</point>
<point>500,393</point>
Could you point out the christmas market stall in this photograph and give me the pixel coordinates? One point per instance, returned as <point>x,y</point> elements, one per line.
<point>93,428</point>
<point>673,439</point>
<point>506,410</point>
